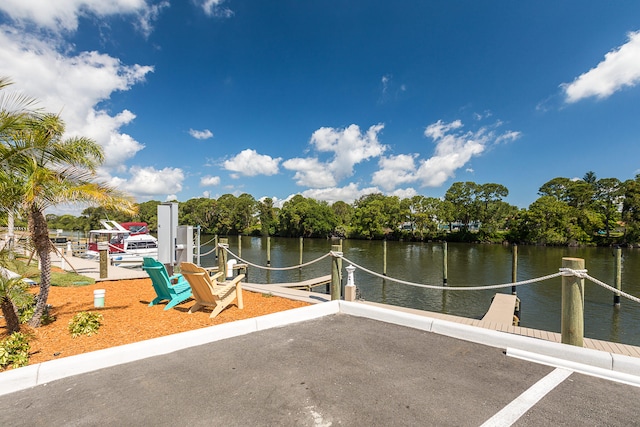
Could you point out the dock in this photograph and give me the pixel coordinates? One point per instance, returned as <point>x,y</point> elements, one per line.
<point>91,268</point>
<point>502,310</point>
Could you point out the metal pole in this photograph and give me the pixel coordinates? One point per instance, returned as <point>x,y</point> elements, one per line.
<point>444,263</point>
<point>572,322</point>
<point>618,281</point>
<point>336,268</point>
<point>239,245</point>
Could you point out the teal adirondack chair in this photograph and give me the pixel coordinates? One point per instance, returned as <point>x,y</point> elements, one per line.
<point>175,288</point>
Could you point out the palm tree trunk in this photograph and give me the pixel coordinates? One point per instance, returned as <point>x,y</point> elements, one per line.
<point>10,316</point>
<point>40,237</point>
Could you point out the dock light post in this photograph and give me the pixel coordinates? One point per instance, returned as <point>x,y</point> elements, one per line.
<point>350,289</point>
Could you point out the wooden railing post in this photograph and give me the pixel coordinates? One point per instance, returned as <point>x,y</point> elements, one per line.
<point>301,249</point>
<point>618,280</point>
<point>336,269</point>
<point>572,323</point>
<point>268,251</point>
<point>384,257</point>
<point>222,255</point>
<point>444,263</point>
<point>514,268</point>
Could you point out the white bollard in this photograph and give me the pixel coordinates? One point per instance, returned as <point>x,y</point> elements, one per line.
<point>230,265</point>
<point>350,289</point>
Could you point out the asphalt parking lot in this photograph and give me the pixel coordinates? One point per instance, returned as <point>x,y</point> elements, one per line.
<point>334,370</point>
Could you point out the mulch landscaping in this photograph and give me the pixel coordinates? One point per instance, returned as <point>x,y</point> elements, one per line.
<point>127,317</point>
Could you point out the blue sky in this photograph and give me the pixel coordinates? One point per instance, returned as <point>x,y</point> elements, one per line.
<point>335,99</point>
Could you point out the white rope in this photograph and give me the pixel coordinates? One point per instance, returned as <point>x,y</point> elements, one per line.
<point>211,240</point>
<point>275,268</point>
<point>207,253</point>
<point>454,288</point>
<point>611,288</point>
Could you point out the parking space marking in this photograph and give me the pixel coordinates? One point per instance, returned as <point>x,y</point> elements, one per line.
<point>518,407</point>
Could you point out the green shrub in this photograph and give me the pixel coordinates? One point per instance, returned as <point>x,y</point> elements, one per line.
<point>25,312</point>
<point>14,351</point>
<point>85,323</point>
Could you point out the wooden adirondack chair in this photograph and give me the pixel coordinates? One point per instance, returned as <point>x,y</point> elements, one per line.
<point>175,289</point>
<point>208,292</point>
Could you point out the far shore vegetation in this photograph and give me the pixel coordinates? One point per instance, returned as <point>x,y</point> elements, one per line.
<point>568,212</point>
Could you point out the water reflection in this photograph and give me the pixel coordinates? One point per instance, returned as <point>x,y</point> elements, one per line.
<point>468,265</point>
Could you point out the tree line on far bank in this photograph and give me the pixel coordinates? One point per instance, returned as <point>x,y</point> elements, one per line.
<point>567,212</point>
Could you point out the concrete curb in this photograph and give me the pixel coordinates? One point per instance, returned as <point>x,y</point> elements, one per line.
<point>42,373</point>
<point>602,361</point>
<point>593,362</point>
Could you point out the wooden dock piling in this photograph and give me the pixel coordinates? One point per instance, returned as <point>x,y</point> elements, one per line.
<point>336,269</point>
<point>444,263</point>
<point>618,279</point>
<point>572,321</point>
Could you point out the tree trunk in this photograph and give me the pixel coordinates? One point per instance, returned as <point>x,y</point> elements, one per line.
<point>10,317</point>
<point>40,237</point>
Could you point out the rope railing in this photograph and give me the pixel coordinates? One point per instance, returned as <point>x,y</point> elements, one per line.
<point>450,288</point>
<point>206,243</point>
<point>208,253</point>
<point>274,268</point>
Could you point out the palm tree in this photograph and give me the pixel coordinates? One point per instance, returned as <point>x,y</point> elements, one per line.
<point>15,108</point>
<point>49,170</point>
<point>13,294</point>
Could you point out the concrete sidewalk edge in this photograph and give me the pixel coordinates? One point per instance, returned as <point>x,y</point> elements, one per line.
<point>604,364</point>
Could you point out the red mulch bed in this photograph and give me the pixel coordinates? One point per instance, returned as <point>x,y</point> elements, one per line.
<point>128,318</point>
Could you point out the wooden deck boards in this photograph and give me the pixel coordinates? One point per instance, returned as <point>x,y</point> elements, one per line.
<point>610,347</point>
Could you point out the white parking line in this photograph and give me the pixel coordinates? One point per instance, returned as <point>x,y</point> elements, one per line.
<point>514,410</point>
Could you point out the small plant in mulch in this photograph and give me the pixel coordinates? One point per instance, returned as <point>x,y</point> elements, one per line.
<point>269,295</point>
<point>85,323</point>
<point>25,312</point>
<point>14,351</point>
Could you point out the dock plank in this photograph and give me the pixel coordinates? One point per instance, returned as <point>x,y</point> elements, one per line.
<point>501,309</point>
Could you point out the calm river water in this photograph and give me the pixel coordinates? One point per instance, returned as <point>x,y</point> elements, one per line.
<point>468,265</point>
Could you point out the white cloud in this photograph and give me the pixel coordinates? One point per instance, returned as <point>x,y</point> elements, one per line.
<point>73,85</point>
<point>454,149</point>
<point>438,129</point>
<point>349,147</point>
<point>347,194</point>
<point>310,172</point>
<point>209,181</point>
<point>250,163</point>
<point>620,68</point>
<point>404,193</point>
<point>508,136</point>
<point>62,15</point>
<point>148,181</point>
<point>215,8</point>
<point>394,171</point>
<point>201,134</point>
